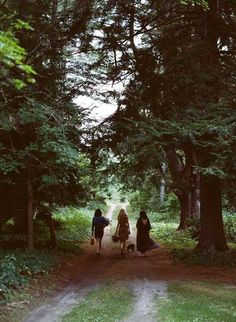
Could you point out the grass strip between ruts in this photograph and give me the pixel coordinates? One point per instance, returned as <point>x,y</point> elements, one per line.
<point>109,303</point>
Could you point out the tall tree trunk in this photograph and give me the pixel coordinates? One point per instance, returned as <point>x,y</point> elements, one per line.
<point>195,196</point>
<point>30,201</point>
<point>162,191</point>
<point>212,232</point>
<point>162,184</point>
<point>181,174</point>
<point>185,208</point>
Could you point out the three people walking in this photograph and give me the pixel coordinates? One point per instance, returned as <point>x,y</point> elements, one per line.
<point>144,242</point>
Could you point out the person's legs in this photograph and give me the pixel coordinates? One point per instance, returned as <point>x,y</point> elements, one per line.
<point>124,246</point>
<point>98,236</point>
<point>98,245</point>
<point>121,246</point>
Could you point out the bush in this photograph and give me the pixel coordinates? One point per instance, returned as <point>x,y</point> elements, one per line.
<point>194,227</point>
<point>94,204</point>
<point>41,233</point>
<point>170,209</point>
<point>167,234</point>
<point>17,268</point>
<point>230,226</point>
<point>10,276</point>
<point>167,212</point>
<point>75,227</point>
<point>146,198</point>
<point>193,257</point>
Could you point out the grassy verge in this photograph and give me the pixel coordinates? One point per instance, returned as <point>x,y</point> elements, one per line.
<point>18,268</point>
<point>105,209</point>
<point>182,247</point>
<point>198,302</point>
<point>166,233</point>
<point>109,303</point>
<point>21,302</point>
<point>193,257</point>
<point>75,227</point>
<point>23,275</point>
<point>133,215</point>
<point>20,271</point>
<point>40,289</point>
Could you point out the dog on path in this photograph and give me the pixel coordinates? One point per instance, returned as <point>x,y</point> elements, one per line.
<point>130,250</point>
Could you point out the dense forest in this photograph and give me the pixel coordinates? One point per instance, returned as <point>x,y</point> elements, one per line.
<point>170,68</point>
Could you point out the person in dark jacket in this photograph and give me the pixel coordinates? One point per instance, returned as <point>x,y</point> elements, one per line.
<point>144,242</point>
<point>98,224</point>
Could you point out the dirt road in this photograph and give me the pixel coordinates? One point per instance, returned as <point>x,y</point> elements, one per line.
<point>147,276</point>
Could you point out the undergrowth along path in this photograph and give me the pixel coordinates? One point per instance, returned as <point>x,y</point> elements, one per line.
<point>147,276</point>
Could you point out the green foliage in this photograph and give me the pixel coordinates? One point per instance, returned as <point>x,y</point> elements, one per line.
<point>174,97</point>
<point>147,197</point>
<point>167,212</point>
<point>12,55</point>
<point>9,275</point>
<point>167,234</point>
<point>75,228</point>
<point>41,234</point>
<point>17,268</point>
<point>181,242</point>
<point>42,131</point>
<point>214,259</point>
<point>202,3</point>
<point>61,172</point>
<point>194,226</point>
<point>230,226</point>
<point>110,303</point>
<point>165,229</point>
<point>97,201</point>
<point>122,199</point>
<point>8,165</point>
<point>170,209</point>
<point>132,214</point>
<point>197,302</point>
<point>20,24</point>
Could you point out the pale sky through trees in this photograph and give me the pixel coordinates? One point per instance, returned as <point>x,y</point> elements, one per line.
<point>99,110</point>
<point>104,110</point>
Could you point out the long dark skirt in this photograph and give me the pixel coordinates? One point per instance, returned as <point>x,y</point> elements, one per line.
<point>144,243</point>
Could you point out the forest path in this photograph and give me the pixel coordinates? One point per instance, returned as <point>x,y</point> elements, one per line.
<point>146,276</point>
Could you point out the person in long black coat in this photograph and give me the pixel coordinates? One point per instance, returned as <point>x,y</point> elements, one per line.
<point>144,242</point>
